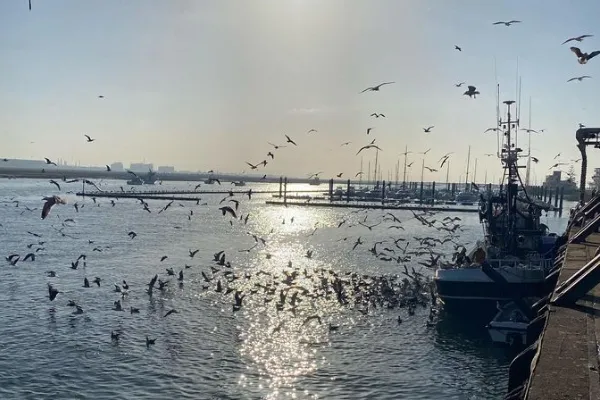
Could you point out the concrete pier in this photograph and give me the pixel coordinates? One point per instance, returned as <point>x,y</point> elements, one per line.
<point>566,364</point>
<point>563,361</point>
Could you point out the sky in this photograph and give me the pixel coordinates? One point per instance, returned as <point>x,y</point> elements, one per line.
<point>207,84</point>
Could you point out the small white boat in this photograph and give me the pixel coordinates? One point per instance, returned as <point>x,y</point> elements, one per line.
<point>509,326</point>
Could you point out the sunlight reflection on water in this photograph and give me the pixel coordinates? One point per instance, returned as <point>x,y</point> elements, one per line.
<point>265,350</point>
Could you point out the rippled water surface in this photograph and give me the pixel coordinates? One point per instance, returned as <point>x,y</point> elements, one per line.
<point>206,350</point>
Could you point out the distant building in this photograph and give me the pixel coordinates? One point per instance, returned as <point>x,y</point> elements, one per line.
<point>554,181</point>
<point>16,163</point>
<point>141,167</point>
<point>118,166</point>
<point>166,169</point>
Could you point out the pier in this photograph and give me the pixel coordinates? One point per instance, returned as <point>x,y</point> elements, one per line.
<point>374,206</point>
<point>562,361</point>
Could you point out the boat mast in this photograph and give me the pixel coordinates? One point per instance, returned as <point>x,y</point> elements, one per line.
<point>468,162</point>
<point>376,159</point>
<point>447,173</point>
<point>510,155</point>
<point>404,173</point>
<point>369,173</point>
<point>527,174</point>
<point>475,171</point>
<point>361,172</point>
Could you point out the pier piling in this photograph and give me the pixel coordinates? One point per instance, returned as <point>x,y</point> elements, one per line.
<point>348,191</point>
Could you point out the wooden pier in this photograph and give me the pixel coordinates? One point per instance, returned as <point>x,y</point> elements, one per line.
<point>562,361</point>
<point>374,206</point>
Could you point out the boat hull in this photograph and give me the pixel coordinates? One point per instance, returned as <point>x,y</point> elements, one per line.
<point>509,333</point>
<point>470,290</point>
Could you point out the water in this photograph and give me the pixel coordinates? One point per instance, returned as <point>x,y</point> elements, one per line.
<point>205,350</point>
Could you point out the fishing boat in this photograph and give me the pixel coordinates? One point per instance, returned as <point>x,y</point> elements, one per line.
<point>509,326</point>
<point>516,245</point>
<point>209,181</point>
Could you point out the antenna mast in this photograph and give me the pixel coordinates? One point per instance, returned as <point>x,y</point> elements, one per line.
<point>527,174</point>
<point>510,156</point>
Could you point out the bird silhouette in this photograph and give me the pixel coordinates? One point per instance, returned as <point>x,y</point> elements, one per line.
<point>507,23</point>
<point>376,88</point>
<point>582,57</point>
<point>577,38</point>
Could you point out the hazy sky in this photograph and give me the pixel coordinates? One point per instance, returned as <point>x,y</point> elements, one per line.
<point>206,84</point>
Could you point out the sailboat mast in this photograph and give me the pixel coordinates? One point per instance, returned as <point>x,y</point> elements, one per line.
<point>422,169</point>
<point>361,172</point>
<point>475,172</point>
<point>404,173</point>
<point>376,159</point>
<point>368,173</point>
<point>468,162</point>
<point>448,174</point>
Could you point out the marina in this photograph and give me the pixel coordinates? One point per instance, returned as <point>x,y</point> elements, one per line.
<point>273,200</point>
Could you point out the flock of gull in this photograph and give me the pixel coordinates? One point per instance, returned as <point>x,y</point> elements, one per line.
<point>291,290</point>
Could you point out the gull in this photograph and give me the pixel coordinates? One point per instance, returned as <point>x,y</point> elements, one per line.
<point>426,151</point>
<point>52,292</point>
<point>288,140</point>
<point>89,139</point>
<point>557,165</point>
<point>431,169</point>
<point>507,23</point>
<point>578,38</point>
<point>193,253</point>
<point>173,311</point>
<point>428,129</point>
<point>377,115</point>
<point>29,5</point>
<point>535,160</point>
<point>52,181</point>
<point>252,166</point>
<point>269,154</point>
<point>369,146</point>
<point>459,84</point>
<point>275,146</point>
<point>472,92</point>
<point>50,162</point>
<point>556,156</point>
<point>108,168</point>
<point>583,58</point>
<point>491,130</point>
<point>312,130</point>
<point>345,144</point>
<point>457,48</point>
<point>376,88</point>
<point>229,210</point>
<point>579,78</point>
<point>358,174</point>
<point>369,130</point>
<point>49,203</point>
<point>529,130</point>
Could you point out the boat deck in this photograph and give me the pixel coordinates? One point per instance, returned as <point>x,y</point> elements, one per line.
<point>566,365</point>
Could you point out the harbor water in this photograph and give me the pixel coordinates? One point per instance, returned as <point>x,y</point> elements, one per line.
<point>205,350</point>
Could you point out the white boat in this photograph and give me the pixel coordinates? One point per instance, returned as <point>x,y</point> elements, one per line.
<point>240,183</point>
<point>509,326</point>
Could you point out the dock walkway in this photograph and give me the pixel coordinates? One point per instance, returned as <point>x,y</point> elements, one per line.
<point>374,206</point>
<point>566,363</point>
